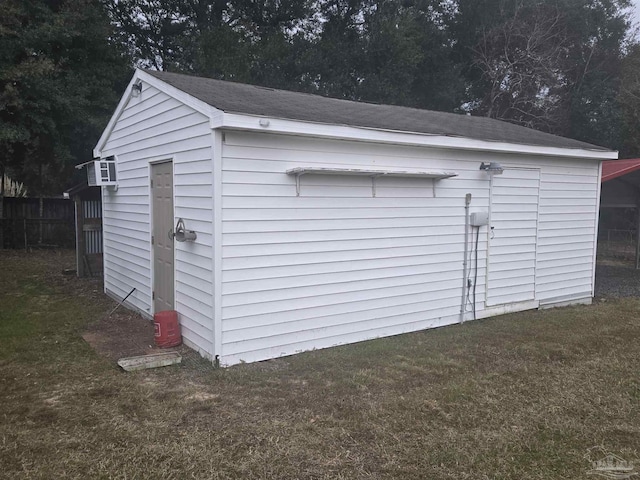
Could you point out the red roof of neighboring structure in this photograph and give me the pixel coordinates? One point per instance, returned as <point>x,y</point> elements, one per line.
<point>617,168</point>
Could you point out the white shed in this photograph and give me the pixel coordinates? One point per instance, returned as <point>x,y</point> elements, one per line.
<point>322,222</point>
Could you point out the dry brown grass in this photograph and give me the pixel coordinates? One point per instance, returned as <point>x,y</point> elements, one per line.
<point>522,396</point>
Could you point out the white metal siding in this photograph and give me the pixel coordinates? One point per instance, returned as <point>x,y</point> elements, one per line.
<point>335,265</point>
<point>566,231</point>
<point>511,267</point>
<point>154,127</point>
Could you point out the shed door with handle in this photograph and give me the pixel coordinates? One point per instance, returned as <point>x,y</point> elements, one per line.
<point>513,233</point>
<point>162,192</point>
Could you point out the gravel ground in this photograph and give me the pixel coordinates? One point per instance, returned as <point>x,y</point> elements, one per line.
<point>617,280</point>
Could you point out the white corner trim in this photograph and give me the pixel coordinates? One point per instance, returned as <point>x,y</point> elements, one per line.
<point>198,105</point>
<point>124,101</point>
<point>216,164</point>
<point>595,234</point>
<point>235,121</point>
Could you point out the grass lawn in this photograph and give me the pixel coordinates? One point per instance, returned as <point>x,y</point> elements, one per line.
<point>523,396</point>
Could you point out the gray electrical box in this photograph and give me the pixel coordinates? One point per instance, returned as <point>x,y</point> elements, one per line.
<point>478,219</point>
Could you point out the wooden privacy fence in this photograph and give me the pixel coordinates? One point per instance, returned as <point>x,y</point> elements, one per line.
<point>88,201</point>
<point>30,222</point>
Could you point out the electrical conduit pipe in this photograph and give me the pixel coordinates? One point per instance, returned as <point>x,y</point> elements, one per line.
<point>467,202</point>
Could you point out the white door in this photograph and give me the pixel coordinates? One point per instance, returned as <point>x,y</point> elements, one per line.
<point>513,233</point>
<point>162,191</point>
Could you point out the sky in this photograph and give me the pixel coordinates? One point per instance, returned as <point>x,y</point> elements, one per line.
<point>635,11</point>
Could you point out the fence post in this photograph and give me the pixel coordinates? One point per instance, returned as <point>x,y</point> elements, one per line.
<point>80,246</point>
<point>638,237</point>
<point>41,215</point>
<point>26,243</point>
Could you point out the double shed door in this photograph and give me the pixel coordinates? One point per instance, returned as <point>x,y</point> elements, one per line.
<point>513,236</point>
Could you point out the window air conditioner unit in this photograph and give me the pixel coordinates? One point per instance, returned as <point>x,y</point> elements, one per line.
<point>102,173</point>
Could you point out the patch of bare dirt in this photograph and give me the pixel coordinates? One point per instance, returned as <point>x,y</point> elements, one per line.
<point>123,334</point>
<point>128,334</point>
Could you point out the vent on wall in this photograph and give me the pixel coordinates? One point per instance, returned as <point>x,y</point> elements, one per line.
<point>102,173</point>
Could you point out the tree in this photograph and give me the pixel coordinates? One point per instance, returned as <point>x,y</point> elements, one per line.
<point>59,77</point>
<point>520,60</point>
<point>392,51</point>
<point>629,101</point>
<point>246,40</point>
<point>408,55</point>
<point>386,51</point>
<point>151,31</point>
<point>333,60</point>
<point>597,32</point>
<point>554,65</point>
<point>549,64</point>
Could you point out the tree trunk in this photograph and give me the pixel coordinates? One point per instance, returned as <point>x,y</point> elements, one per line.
<point>41,210</point>
<point>41,215</point>
<point>1,207</point>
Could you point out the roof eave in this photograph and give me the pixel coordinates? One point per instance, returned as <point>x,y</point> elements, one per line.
<point>150,80</point>
<point>249,122</point>
<point>240,121</point>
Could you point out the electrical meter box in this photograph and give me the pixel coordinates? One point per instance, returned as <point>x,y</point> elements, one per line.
<point>478,219</point>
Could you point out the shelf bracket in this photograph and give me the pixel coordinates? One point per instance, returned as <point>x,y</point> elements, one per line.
<point>298,184</point>
<point>373,185</point>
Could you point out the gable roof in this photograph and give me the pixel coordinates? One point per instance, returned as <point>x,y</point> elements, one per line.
<point>245,99</point>
<point>617,168</point>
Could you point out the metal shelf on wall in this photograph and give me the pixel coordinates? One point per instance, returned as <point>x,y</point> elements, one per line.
<point>434,175</point>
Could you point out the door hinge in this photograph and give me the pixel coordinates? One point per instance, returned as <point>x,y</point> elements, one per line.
<point>152,183</point>
<point>153,239</point>
<point>153,295</point>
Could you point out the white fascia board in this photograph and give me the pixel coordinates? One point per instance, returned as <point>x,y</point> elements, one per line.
<point>189,100</point>
<point>235,121</point>
<point>595,233</point>
<point>124,101</point>
<point>144,77</point>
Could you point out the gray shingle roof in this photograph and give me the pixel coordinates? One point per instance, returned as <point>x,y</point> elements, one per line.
<point>253,100</point>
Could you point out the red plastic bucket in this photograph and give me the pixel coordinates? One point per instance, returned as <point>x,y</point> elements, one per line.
<point>167,329</point>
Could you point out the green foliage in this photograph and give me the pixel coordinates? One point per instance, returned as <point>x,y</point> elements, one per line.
<point>597,34</point>
<point>388,52</point>
<point>59,74</point>
<point>11,188</point>
<point>548,64</point>
<point>629,100</point>
<point>249,41</point>
<point>554,65</point>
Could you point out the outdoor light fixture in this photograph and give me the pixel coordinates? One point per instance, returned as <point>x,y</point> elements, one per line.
<point>136,89</point>
<point>493,168</point>
<point>182,234</point>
